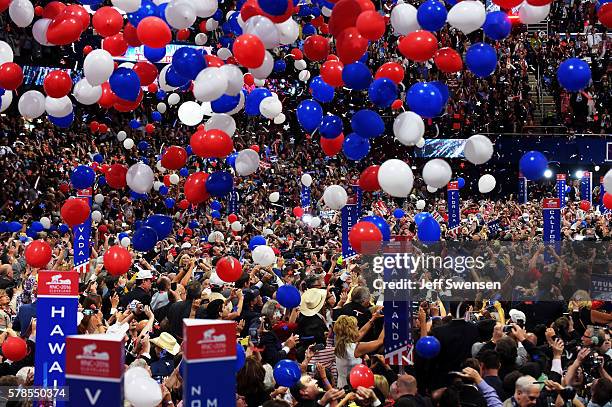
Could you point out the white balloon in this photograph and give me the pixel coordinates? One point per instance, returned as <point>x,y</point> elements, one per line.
<point>58,107</point>
<point>306,180</point>
<point>86,94</point>
<point>236,226</point>
<point>420,204</point>
<point>607,182</point>
<point>408,128</point>
<point>223,122</point>
<point>486,183</point>
<point>98,67</point>
<point>431,189</point>
<point>247,162</point>
<point>6,52</point>
<point>263,71</point>
<point>211,24</point>
<point>478,149</point>
<point>263,28</point>
<point>157,185</point>
<point>21,12</point>
<point>235,79</point>
<point>99,198</point>
<point>299,64</point>
<point>315,222</point>
<point>267,232</point>
<point>420,143</point>
<point>210,84</point>
<point>335,197</point>
<point>143,392</point>
<point>174,179</point>
<point>201,38</point>
<point>307,218</point>
<point>46,222</point>
<point>467,16</point>
<point>7,98</point>
<point>437,172</point>
<point>304,76</point>
<point>259,82</point>
<point>161,107</point>
<point>533,14</point>
<point>160,168</point>
<point>163,85</point>
<point>31,104</point>
<point>174,99</point>
<point>39,31</point>
<point>140,178</point>
<point>129,6</point>
<point>288,31</point>
<point>280,119</point>
<point>180,14</point>
<point>395,178</point>
<point>224,53</point>
<point>125,241</point>
<point>128,143</point>
<point>206,8</point>
<point>263,255</point>
<point>404,19</point>
<point>190,113</point>
<point>270,107</point>
<point>133,373</point>
<point>96,216</point>
<point>127,65</point>
<point>274,197</point>
<point>121,135</point>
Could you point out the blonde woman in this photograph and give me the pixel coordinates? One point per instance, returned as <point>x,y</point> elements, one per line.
<point>348,348</point>
<point>583,315</point>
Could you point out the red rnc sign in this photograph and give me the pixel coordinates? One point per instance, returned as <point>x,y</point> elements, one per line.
<point>551,203</point>
<point>560,177</point>
<point>453,185</point>
<point>58,283</point>
<point>95,356</point>
<point>204,340</point>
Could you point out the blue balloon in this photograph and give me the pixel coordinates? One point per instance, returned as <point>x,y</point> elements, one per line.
<point>142,145</point>
<point>215,214</point>
<point>226,42</point>
<point>136,196</point>
<point>280,65</point>
<point>381,224</point>
<point>31,233</point>
<point>174,79</point>
<point>154,54</point>
<point>356,76</point>
<point>102,180</point>
<point>63,228</point>
<point>444,91</point>
<point>431,15</point>
<point>216,205</point>
<point>364,57</point>
<point>144,239</point>
<point>147,9</point>
<point>253,100</point>
<point>421,216</point>
<point>355,147</point>
<point>122,235</point>
<point>160,95</point>
<point>62,122</point>
<point>287,373</point>
<point>428,347</point>
<point>225,103</point>
<point>3,227</point>
<point>331,126</point>
<point>382,92</point>
<point>14,226</point>
<point>257,240</point>
<point>367,123</point>
<point>188,62</point>
<point>574,74</point>
<point>398,213</point>
<point>425,100</point>
<point>497,26</point>
<point>219,183</point>
<point>321,91</point>
<point>568,189</point>
<point>99,158</point>
<point>36,226</point>
<point>429,230</point>
<point>309,115</point>
<point>169,202</point>
<point>273,7</point>
<point>309,29</point>
<point>160,11</point>
<point>82,177</point>
<point>125,83</point>
<point>234,25</point>
<point>163,190</point>
<point>162,225</point>
<point>134,124</point>
<point>481,59</point>
<point>304,11</point>
<point>288,296</point>
<point>533,164</point>
<point>189,150</point>
<point>240,356</point>
<point>156,116</point>
<point>183,172</point>
<point>231,159</point>
<point>460,182</point>
<point>193,224</point>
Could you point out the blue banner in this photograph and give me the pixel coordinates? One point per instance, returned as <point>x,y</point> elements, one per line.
<point>494,226</point>
<point>82,236</point>
<point>454,210</point>
<point>522,189</point>
<point>359,198</point>
<point>349,218</point>
<point>586,187</point>
<point>551,212</point>
<point>602,192</point>
<point>305,197</point>
<point>233,202</point>
<point>561,185</point>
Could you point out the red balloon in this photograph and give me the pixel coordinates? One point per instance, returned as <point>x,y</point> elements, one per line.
<point>117,260</point>
<point>183,35</point>
<point>103,128</point>
<point>195,188</point>
<point>248,79</point>
<point>371,25</point>
<point>604,14</point>
<point>154,32</point>
<point>507,4</point>
<point>350,45</point>
<point>255,148</point>
<point>64,29</point>
<point>4,4</point>
<point>368,181</point>
<point>231,218</point>
<point>74,212</point>
<point>146,71</point>
<point>38,254</point>
<point>87,49</point>
<point>57,83</point>
<point>108,98</point>
<point>115,176</point>
<point>183,204</point>
<point>122,105</point>
<point>418,46</point>
<point>298,212</point>
<point>174,158</point>
<point>249,50</point>
<point>131,35</point>
<point>11,76</point>
<point>332,146</point>
<point>364,237</point>
<point>331,72</point>
<point>107,21</point>
<point>94,126</point>
<point>229,269</point>
<point>345,14</point>
<point>607,200</point>
<point>391,70</point>
<point>152,88</point>
<point>150,128</point>
<point>14,348</point>
<point>361,376</point>
<point>79,12</point>
<point>397,104</point>
<point>116,45</point>
<point>316,48</point>
<point>585,205</point>
<point>297,53</point>
<point>448,60</point>
<point>167,180</point>
<point>213,61</point>
<point>213,143</point>
<point>53,9</point>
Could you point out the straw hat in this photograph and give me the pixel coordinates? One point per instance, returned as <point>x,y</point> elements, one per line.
<point>167,342</point>
<point>313,300</point>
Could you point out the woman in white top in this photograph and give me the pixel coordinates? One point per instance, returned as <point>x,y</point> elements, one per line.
<point>348,349</point>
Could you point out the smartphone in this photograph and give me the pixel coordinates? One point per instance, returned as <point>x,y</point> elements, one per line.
<point>310,368</point>
<point>173,286</point>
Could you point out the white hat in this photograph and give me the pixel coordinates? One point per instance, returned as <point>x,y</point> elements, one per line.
<point>186,245</point>
<point>313,300</point>
<point>517,315</point>
<point>144,275</point>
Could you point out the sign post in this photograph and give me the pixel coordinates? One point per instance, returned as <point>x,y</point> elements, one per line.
<point>82,236</point>
<point>454,213</point>
<point>561,189</point>
<point>522,189</point>
<point>349,218</point>
<point>586,187</point>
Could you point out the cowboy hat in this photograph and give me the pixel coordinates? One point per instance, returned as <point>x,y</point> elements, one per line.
<point>167,342</point>
<point>313,300</point>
